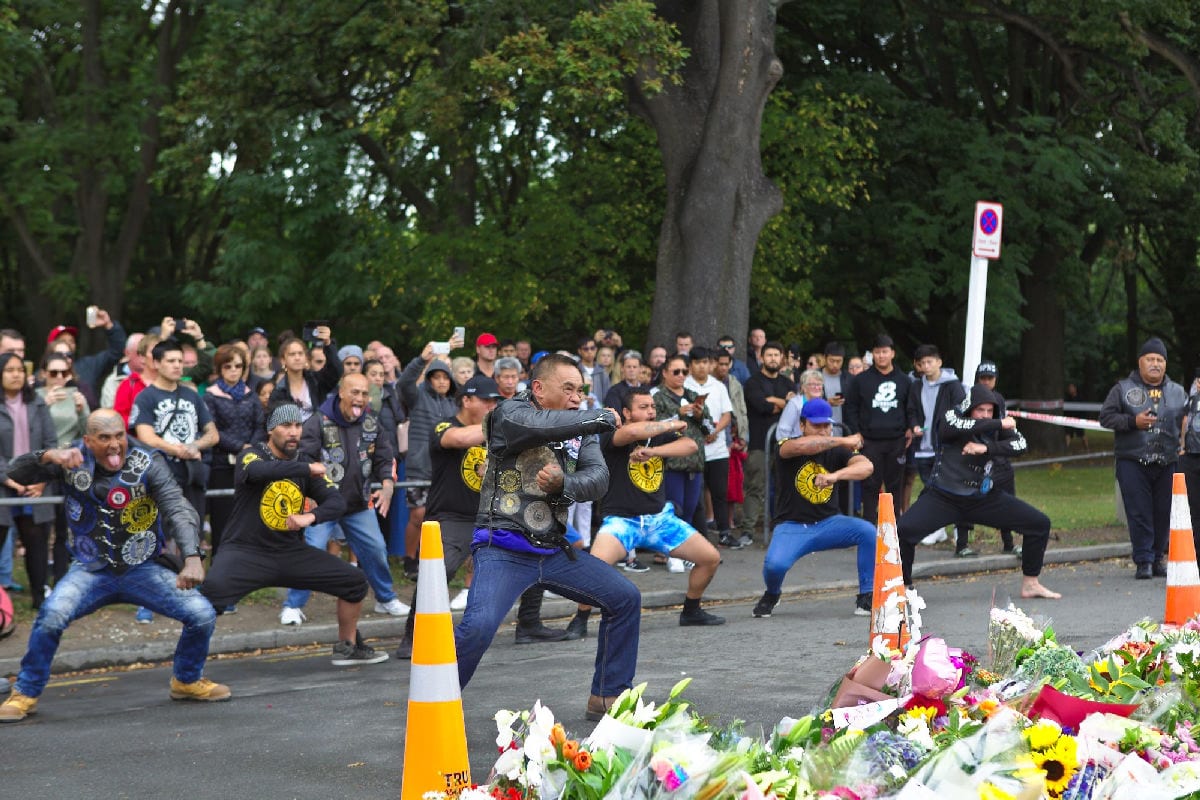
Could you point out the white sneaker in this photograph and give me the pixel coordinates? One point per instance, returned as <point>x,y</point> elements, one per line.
<point>675,565</point>
<point>460,600</point>
<point>393,607</point>
<point>936,537</point>
<point>291,616</point>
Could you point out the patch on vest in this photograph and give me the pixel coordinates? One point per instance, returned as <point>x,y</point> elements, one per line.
<point>279,501</point>
<point>139,515</point>
<point>1136,396</point>
<point>538,517</point>
<point>138,548</point>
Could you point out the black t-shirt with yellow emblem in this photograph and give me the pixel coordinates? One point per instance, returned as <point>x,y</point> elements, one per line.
<point>634,490</point>
<point>268,490</point>
<point>457,476</point>
<point>797,498</point>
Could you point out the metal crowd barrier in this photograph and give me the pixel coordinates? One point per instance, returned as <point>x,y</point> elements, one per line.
<point>49,500</point>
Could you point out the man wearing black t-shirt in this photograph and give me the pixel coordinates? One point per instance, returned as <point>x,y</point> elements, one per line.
<point>876,407</point>
<point>264,542</point>
<point>636,511</point>
<point>170,417</point>
<point>806,513</point>
<point>767,392</point>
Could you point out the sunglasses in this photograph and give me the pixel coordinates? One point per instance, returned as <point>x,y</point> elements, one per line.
<point>58,373</point>
<point>726,346</point>
<point>679,372</point>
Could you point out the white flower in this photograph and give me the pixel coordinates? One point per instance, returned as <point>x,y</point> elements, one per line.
<point>796,754</point>
<point>916,728</point>
<point>645,713</point>
<point>1178,649</point>
<point>471,793</point>
<point>509,764</point>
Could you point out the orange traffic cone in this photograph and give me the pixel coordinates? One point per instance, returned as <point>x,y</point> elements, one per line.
<point>1183,577</point>
<point>435,739</point>
<point>889,602</point>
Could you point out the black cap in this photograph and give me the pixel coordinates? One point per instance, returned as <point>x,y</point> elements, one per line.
<point>986,368</point>
<point>263,331</point>
<point>482,386</point>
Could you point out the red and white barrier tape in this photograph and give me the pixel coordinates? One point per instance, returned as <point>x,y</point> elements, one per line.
<point>1058,419</point>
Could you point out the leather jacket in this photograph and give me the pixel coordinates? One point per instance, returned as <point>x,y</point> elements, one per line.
<point>522,438</point>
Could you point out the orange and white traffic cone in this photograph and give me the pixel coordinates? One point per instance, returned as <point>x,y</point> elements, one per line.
<point>435,739</point>
<point>889,601</point>
<point>1183,576</point>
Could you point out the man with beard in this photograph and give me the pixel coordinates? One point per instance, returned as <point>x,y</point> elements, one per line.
<point>263,544</point>
<point>542,456</point>
<point>1145,411</point>
<point>767,392</point>
<point>120,497</point>
<point>345,436</point>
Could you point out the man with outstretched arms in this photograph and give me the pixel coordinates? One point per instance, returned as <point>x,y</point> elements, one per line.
<point>120,500</point>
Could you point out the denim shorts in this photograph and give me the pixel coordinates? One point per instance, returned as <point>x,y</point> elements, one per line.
<point>662,532</point>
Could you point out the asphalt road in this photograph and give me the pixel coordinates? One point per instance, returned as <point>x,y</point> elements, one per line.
<point>298,727</point>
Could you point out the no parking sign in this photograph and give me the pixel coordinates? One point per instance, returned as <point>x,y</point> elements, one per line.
<point>989,219</point>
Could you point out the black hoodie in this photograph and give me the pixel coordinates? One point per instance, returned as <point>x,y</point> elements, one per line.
<point>971,475</point>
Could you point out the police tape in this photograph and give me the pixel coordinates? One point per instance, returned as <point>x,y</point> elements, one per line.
<point>1058,419</point>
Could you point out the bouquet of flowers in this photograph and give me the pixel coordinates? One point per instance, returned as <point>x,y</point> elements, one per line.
<point>1011,631</point>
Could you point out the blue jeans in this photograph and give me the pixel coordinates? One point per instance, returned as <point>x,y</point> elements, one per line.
<point>502,575</point>
<point>684,490</point>
<point>80,592</point>
<point>362,533</point>
<point>6,557</point>
<point>794,540</point>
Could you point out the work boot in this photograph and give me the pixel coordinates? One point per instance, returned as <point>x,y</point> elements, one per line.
<point>577,627</point>
<point>1144,571</point>
<point>203,690</point>
<point>1159,570</point>
<point>19,706</point>
<point>404,650</point>
<point>530,634</point>
<point>598,706</point>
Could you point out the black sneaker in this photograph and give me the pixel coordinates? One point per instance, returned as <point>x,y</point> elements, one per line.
<point>765,605</point>
<point>745,540</point>
<point>699,616</point>
<point>862,605</point>
<point>728,541</point>
<point>348,654</point>
<point>633,565</point>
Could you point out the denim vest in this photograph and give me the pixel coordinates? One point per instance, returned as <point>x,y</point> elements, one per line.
<point>112,521</point>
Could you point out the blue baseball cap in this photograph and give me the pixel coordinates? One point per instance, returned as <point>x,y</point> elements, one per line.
<point>817,411</point>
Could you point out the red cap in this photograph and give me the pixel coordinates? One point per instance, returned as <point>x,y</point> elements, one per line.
<point>59,330</point>
<point>486,339</point>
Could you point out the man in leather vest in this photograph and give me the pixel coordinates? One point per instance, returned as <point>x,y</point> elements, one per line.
<point>542,456</point>
<point>961,488</point>
<point>1145,412</point>
<point>120,496</point>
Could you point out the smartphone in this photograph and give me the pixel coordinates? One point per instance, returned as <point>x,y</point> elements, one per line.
<point>308,334</point>
<point>441,348</point>
<point>93,316</point>
<point>838,395</point>
<point>460,333</point>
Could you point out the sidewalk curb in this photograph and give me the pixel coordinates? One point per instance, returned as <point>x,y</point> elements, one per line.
<point>393,627</point>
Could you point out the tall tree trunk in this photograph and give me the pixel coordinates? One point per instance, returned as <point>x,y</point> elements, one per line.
<point>718,198</point>
<point>1043,345</point>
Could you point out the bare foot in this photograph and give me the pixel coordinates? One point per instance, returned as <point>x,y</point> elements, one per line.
<point>1035,589</point>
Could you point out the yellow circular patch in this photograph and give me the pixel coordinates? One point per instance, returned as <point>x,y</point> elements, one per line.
<point>805,485</point>
<point>472,467</point>
<point>280,500</point>
<point>139,515</point>
<point>648,475</point>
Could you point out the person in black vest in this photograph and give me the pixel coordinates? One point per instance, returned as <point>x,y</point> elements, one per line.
<point>1145,412</point>
<point>264,544</point>
<point>120,496</point>
<point>961,488</point>
<point>876,407</point>
<point>542,456</point>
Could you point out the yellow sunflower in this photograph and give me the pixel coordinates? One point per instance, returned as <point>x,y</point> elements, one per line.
<point>1059,763</point>
<point>1043,735</point>
<point>990,791</point>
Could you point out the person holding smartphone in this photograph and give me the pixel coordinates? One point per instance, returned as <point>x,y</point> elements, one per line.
<point>1145,411</point>
<point>69,412</point>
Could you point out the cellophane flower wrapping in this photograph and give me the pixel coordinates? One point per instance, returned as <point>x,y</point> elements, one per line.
<point>995,761</point>
<point>1011,630</point>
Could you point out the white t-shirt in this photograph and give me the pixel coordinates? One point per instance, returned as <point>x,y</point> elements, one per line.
<point>718,403</point>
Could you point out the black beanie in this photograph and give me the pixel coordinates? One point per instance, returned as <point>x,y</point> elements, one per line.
<point>1153,345</point>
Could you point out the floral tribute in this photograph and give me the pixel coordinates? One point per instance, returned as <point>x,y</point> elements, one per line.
<point>1040,721</point>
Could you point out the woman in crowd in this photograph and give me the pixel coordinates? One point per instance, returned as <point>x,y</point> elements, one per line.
<point>262,367</point>
<point>673,400</point>
<point>306,387</point>
<point>25,426</point>
<point>463,369</point>
<point>69,412</point>
<point>238,415</point>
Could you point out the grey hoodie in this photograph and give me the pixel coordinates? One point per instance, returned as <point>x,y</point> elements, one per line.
<point>928,410</point>
<point>425,409</point>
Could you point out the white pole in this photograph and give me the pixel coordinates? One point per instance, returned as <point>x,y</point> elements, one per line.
<point>976,299</point>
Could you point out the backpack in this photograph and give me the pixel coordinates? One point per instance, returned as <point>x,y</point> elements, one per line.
<point>8,623</point>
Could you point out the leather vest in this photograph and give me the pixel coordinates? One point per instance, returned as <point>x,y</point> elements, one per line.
<point>112,521</point>
<point>333,451</point>
<point>1160,444</point>
<point>1191,441</point>
<point>515,502</point>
